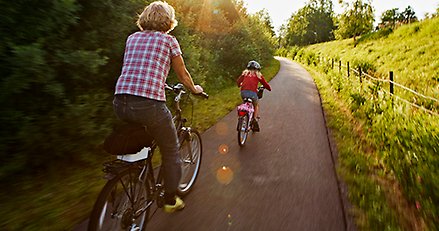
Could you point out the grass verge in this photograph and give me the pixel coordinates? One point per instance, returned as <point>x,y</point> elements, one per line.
<point>354,161</point>
<point>372,164</point>
<point>387,147</point>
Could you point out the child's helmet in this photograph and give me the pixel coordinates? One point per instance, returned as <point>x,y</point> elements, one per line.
<point>253,65</point>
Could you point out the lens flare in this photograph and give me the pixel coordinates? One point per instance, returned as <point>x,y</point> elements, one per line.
<point>224,175</point>
<point>223,149</point>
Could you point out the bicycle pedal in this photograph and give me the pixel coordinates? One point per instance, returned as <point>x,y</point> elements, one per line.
<point>161,199</point>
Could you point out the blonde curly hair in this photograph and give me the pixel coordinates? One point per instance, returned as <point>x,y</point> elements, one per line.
<point>254,72</point>
<point>157,16</point>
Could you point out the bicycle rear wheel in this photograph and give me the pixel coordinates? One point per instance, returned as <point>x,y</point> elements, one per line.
<point>191,151</point>
<point>243,123</point>
<point>123,203</point>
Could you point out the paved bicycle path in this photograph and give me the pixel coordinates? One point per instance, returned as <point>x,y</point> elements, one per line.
<point>283,179</point>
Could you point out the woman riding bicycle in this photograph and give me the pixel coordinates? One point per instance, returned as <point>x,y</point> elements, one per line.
<point>140,89</point>
<point>248,82</point>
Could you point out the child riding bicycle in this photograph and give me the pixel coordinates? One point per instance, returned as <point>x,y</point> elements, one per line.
<point>248,82</point>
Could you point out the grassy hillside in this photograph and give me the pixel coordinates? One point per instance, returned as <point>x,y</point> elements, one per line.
<point>388,149</point>
<point>411,52</point>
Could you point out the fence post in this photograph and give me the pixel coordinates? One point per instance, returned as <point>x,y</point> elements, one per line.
<point>391,82</point>
<point>332,63</point>
<point>339,66</point>
<point>392,91</point>
<point>348,70</point>
<point>359,73</point>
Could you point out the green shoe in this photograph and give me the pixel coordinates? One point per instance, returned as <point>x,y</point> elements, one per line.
<point>179,205</point>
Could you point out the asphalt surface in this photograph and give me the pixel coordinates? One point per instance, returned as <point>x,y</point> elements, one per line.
<point>284,177</point>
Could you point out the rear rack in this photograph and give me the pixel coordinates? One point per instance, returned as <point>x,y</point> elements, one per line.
<point>114,167</point>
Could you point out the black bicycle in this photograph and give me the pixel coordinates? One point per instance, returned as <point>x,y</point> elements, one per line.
<point>126,202</point>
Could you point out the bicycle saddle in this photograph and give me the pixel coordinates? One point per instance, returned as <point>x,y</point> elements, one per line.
<point>248,100</point>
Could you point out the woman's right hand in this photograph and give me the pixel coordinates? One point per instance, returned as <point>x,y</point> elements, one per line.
<point>198,89</point>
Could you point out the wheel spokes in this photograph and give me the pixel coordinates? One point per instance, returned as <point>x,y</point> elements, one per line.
<point>125,207</point>
<point>190,157</point>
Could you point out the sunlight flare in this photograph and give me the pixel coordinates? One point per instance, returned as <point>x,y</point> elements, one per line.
<point>224,175</point>
<point>223,149</point>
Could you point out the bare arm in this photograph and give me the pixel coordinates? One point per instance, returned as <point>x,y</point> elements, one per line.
<point>183,74</point>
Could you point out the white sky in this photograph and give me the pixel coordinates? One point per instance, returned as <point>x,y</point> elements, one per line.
<point>281,10</point>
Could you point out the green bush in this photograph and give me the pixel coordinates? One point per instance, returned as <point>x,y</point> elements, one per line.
<point>60,61</point>
<point>382,33</point>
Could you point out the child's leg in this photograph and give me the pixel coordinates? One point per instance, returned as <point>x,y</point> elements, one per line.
<point>256,111</point>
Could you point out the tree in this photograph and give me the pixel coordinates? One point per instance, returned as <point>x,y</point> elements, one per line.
<point>321,21</point>
<point>408,15</point>
<point>282,34</point>
<point>264,17</point>
<point>311,24</point>
<point>57,61</point>
<point>356,20</point>
<point>60,59</point>
<point>389,18</point>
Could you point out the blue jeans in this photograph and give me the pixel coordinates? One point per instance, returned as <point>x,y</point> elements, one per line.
<point>158,120</point>
<point>250,94</point>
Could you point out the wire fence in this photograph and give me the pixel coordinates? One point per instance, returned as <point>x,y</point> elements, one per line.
<point>392,84</point>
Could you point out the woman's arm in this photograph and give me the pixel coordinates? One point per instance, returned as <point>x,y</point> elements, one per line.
<point>183,74</point>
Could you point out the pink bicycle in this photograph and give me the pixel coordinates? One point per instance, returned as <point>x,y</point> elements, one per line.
<point>245,118</point>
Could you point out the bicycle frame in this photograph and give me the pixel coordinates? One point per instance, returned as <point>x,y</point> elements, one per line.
<point>134,185</point>
<point>246,108</point>
<point>183,134</point>
<point>179,122</point>
<point>245,116</point>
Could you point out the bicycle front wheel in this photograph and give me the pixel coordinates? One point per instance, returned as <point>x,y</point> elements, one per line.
<point>123,203</point>
<point>190,152</point>
<point>243,123</point>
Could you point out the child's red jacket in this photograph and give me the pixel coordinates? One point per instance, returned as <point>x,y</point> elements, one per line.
<point>250,82</point>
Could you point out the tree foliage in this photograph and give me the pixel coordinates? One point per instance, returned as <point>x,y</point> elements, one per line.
<point>391,18</point>
<point>408,15</point>
<point>53,58</point>
<point>311,24</point>
<point>60,59</point>
<point>356,20</point>
<point>226,38</point>
<point>264,17</point>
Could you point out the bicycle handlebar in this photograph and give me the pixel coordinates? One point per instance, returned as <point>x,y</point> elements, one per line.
<point>203,94</point>
<point>179,88</point>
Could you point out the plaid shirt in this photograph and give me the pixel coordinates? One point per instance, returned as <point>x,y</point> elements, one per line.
<point>146,64</point>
